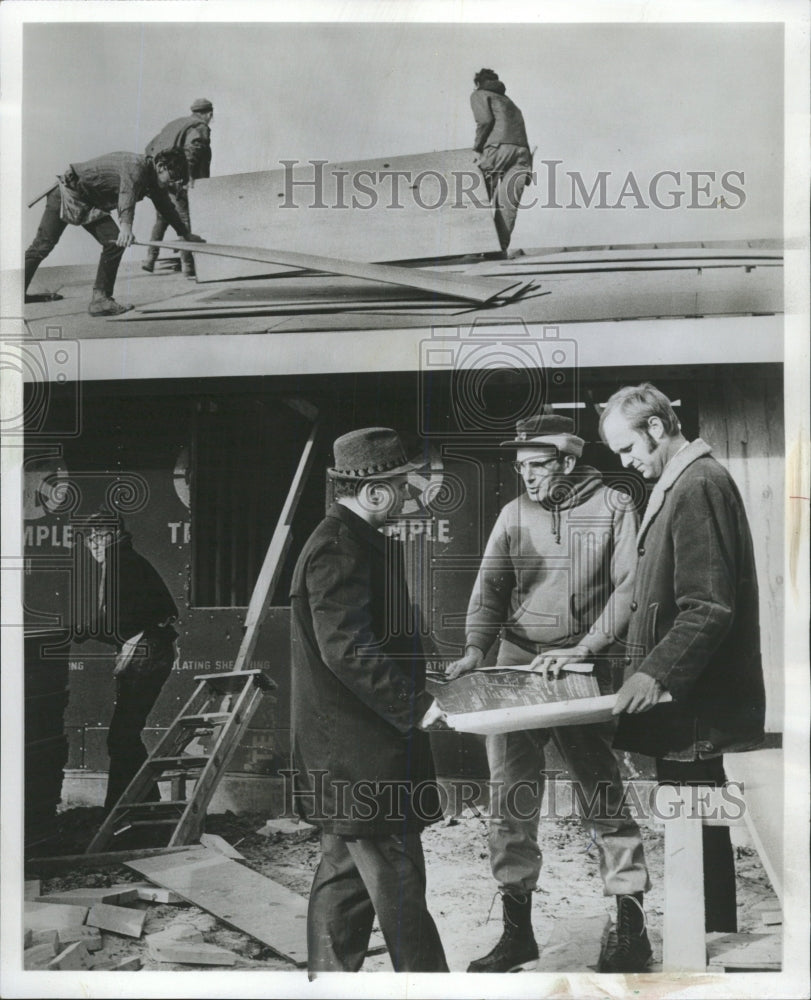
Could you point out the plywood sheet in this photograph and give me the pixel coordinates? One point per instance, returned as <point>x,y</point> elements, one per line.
<point>238,896</point>
<point>761,772</point>
<point>273,208</point>
<point>436,282</point>
<point>577,711</point>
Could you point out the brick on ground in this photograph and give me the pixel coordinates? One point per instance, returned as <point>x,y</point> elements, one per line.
<point>45,936</point>
<point>52,916</point>
<point>38,956</point>
<point>32,888</point>
<point>89,936</point>
<point>117,919</point>
<point>75,956</point>
<point>285,827</point>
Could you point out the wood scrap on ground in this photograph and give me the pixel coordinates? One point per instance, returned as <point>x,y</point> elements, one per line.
<point>745,952</point>
<point>239,896</point>
<point>575,944</point>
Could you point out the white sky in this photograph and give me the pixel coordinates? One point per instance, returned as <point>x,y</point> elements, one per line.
<point>616,97</point>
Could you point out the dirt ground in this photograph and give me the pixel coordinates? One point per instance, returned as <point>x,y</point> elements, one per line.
<point>460,887</point>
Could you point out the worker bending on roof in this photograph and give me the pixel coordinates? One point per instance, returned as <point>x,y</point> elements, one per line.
<point>192,135</point>
<point>555,588</point>
<point>86,194</point>
<point>502,148</point>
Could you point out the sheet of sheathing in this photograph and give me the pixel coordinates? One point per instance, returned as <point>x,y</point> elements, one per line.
<point>249,210</point>
<point>237,895</point>
<point>761,772</point>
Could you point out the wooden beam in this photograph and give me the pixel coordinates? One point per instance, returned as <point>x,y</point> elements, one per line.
<point>274,557</point>
<point>105,859</point>
<point>480,290</point>
<point>683,927</point>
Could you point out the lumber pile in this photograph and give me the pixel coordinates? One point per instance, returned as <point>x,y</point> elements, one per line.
<point>84,928</point>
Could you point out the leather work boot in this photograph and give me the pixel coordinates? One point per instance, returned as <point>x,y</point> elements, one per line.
<point>103,305</point>
<point>632,951</point>
<point>148,265</point>
<point>516,949</point>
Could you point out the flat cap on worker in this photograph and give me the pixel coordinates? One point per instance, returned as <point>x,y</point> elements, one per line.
<point>202,105</point>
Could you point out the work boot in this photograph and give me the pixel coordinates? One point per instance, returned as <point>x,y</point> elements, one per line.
<point>103,305</point>
<point>516,949</point>
<point>632,951</point>
<point>148,265</point>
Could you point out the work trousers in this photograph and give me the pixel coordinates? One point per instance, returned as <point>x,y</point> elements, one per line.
<point>180,199</point>
<point>720,908</point>
<point>517,765</point>
<point>137,690</point>
<point>507,169</point>
<point>51,227</point>
<point>358,877</point>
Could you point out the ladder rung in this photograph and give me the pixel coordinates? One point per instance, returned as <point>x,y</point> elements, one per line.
<point>163,804</point>
<point>181,763</point>
<point>204,719</point>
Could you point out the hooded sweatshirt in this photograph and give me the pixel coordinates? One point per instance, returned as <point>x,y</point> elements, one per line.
<point>498,119</point>
<point>121,598</point>
<point>559,572</point>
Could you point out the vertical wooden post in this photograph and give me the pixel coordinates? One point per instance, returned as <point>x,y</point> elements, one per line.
<point>683,930</point>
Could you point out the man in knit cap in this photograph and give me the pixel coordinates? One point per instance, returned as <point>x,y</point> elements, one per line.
<point>503,149</point>
<point>192,135</point>
<point>555,588</point>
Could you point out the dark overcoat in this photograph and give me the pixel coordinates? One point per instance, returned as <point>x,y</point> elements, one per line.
<point>694,616</point>
<point>358,686</point>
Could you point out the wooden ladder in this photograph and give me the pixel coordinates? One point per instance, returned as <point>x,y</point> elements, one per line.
<point>221,707</point>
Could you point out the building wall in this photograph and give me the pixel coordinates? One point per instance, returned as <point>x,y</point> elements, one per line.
<point>132,440</point>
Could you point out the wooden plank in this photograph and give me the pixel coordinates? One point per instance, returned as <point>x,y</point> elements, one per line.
<point>480,290</point>
<point>575,944</point>
<point>239,896</point>
<point>274,558</point>
<point>89,897</point>
<point>219,844</point>
<point>52,916</point>
<point>683,928</point>
<point>745,952</point>
<point>572,712</point>
<point>249,208</point>
<point>761,773</point>
<point>104,859</point>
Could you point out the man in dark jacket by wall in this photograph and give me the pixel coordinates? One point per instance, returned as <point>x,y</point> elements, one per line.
<point>694,628</point>
<point>363,770</point>
<point>87,193</point>
<point>192,135</point>
<point>125,604</point>
<point>503,149</point>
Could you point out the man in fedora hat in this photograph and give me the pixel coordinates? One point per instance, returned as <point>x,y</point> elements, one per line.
<point>192,135</point>
<point>555,587</point>
<point>363,770</point>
